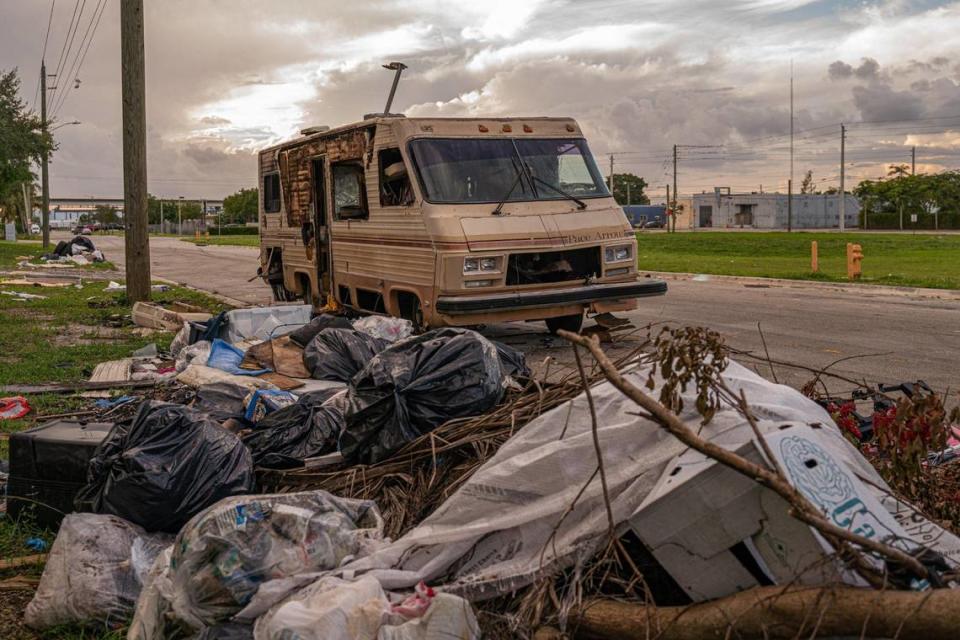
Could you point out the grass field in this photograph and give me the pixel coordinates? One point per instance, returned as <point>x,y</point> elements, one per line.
<point>235,241</point>
<point>60,339</point>
<point>891,259</point>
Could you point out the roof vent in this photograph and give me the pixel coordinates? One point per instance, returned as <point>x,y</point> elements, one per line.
<point>309,131</point>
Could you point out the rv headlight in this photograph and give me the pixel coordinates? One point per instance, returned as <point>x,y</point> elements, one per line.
<point>473,265</point>
<point>616,254</point>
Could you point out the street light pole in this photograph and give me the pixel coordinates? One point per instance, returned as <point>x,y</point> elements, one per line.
<point>179,217</point>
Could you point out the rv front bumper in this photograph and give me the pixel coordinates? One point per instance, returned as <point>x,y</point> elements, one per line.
<point>464,305</point>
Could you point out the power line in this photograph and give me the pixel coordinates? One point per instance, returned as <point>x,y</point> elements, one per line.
<point>72,29</point>
<point>81,54</point>
<point>43,54</point>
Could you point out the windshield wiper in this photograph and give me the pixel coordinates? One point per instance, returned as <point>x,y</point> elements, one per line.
<point>498,210</point>
<point>580,203</point>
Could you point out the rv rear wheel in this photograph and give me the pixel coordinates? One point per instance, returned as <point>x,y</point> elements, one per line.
<point>570,323</point>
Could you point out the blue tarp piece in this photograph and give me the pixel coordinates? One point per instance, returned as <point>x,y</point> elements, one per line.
<point>226,357</point>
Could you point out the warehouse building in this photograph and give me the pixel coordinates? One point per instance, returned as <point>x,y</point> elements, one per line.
<point>725,210</point>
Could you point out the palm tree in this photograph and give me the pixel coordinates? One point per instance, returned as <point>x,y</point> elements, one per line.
<point>898,171</point>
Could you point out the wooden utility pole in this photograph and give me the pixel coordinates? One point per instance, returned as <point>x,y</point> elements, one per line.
<point>673,209</point>
<point>843,170</point>
<point>789,205</point>
<point>669,210</point>
<point>913,161</point>
<point>44,160</point>
<point>611,174</point>
<point>137,241</point>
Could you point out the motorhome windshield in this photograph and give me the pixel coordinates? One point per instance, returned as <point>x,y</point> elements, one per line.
<point>471,170</point>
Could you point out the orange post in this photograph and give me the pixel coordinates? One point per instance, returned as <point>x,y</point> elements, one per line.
<point>814,257</point>
<point>854,260</point>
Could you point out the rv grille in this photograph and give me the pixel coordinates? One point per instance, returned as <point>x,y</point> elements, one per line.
<point>553,266</point>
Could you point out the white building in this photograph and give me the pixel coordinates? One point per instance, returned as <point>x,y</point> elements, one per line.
<point>725,210</point>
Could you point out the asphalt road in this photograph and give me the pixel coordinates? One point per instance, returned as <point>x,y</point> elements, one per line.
<point>899,335</point>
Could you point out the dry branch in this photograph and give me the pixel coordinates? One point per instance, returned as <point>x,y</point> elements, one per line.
<point>776,612</point>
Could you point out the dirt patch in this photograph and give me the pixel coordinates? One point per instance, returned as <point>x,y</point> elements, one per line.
<point>27,312</point>
<point>78,334</point>
<point>12,605</point>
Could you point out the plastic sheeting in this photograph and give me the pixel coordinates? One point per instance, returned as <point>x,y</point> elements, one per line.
<point>416,385</point>
<point>288,436</point>
<point>339,354</point>
<point>512,361</point>
<point>384,327</point>
<point>302,336</point>
<point>166,466</point>
<point>221,557</point>
<point>491,536</point>
<point>94,572</point>
<point>197,375</point>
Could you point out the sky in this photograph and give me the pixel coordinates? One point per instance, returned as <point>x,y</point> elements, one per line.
<point>228,77</point>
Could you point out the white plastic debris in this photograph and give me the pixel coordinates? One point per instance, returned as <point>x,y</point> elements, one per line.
<point>263,323</point>
<point>384,327</point>
<point>23,296</point>
<point>197,353</point>
<point>223,555</point>
<point>197,375</point>
<point>94,572</point>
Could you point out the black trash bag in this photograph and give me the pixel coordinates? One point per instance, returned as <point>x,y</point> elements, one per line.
<point>65,248</point>
<point>164,467</point>
<point>222,401</point>
<point>288,436</point>
<point>415,386</point>
<point>512,361</point>
<point>339,354</point>
<point>302,336</point>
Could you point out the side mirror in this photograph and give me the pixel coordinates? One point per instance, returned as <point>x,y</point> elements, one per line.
<point>352,212</point>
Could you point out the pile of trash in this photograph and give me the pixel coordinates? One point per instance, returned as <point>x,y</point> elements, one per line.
<point>78,251</point>
<point>322,477</point>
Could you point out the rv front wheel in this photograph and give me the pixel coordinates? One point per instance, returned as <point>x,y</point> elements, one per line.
<point>570,323</point>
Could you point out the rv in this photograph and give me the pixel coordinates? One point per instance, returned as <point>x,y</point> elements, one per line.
<point>447,221</point>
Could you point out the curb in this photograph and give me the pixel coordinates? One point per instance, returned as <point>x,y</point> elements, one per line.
<point>843,287</point>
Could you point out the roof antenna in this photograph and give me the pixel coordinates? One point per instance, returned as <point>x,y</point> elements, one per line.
<point>398,67</point>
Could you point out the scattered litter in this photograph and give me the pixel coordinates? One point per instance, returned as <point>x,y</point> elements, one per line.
<point>36,544</point>
<point>339,354</point>
<point>13,408</point>
<point>513,362</point>
<point>23,296</point>
<point>384,327</point>
<point>114,287</point>
<point>35,283</point>
<point>226,357</point>
<point>166,466</point>
<point>113,371</point>
<point>106,403</point>
<point>148,351</point>
<point>222,401</point>
<point>282,355</point>
<point>414,386</point>
<point>94,572</point>
<point>197,353</point>
<point>701,277</point>
<point>221,558</point>
<point>264,401</point>
<point>153,316</point>
<point>290,435</point>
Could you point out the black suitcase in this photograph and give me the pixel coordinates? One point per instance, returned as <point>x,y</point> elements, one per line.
<point>48,467</point>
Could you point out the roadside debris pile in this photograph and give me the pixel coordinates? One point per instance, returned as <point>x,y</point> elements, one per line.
<point>328,478</point>
<point>79,251</point>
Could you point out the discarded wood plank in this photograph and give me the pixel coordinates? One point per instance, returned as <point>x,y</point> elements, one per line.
<point>19,583</point>
<point>22,561</point>
<point>780,612</point>
<point>73,387</point>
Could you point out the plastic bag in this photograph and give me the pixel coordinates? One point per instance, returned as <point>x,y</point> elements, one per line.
<point>338,354</point>
<point>169,464</point>
<point>222,556</point>
<point>94,572</point>
<point>196,353</point>
<point>181,340</point>
<point>285,438</point>
<point>385,327</point>
<point>308,332</point>
<point>226,357</point>
<point>197,375</point>
<point>13,408</point>
<point>221,401</point>
<point>416,385</point>
<point>512,361</point>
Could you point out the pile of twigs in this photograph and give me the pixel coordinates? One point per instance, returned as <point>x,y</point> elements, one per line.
<point>414,481</point>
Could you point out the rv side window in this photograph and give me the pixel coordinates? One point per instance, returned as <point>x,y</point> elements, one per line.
<point>271,193</point>
<point>395,189</point>
<point>349,192</point>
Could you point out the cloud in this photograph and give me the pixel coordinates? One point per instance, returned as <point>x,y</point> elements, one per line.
<point>839,70</point>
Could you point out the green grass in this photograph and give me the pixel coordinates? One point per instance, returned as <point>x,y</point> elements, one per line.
<point>236,241</point>
<point>890,259</point>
